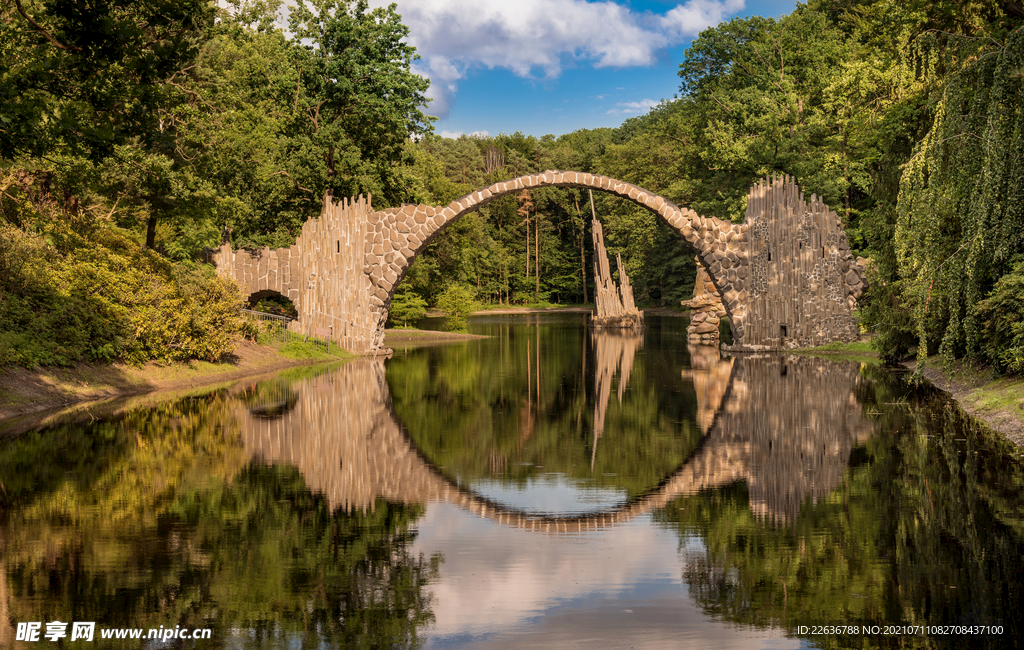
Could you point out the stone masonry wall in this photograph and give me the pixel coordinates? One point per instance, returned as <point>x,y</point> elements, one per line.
<point>803,282</point>
<point>344,267</point>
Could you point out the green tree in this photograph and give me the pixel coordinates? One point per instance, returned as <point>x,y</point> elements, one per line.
<point>960,220</point>
<point>356,100</point>
<point>407,306</point>
<point>457,302</point>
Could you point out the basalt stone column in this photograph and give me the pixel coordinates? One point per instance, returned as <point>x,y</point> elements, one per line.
<point>802,282</point>
<point>614,304</point>
<point>336,293</point>
<point>261,270</point>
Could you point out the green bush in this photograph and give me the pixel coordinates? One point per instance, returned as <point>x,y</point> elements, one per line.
<point>66,298</point>
<point>457,302</point>
<point>407,306</point>
<point>1002,318</point>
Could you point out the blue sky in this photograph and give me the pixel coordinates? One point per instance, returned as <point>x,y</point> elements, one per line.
<point>554,66</point>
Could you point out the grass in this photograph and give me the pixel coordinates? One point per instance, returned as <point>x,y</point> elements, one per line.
<point>1004,394</point>
<point>860,347</point>
<point>857,351</point>
<point>984,391</point>
<point>308,351</point>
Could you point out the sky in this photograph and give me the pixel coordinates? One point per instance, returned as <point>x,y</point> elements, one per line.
<point>555,66</point>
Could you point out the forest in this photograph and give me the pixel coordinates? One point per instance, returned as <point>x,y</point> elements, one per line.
<point>136,135</point>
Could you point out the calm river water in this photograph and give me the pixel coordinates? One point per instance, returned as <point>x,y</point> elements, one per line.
<point>547,487</point>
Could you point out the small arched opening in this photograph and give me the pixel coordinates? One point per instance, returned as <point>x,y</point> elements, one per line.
<point>274,303</point>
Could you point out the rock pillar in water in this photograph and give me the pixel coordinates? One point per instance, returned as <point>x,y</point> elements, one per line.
<point>615,306</point>
<point>706,310</point>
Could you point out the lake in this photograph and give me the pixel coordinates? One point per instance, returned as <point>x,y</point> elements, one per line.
<point>545,487</point>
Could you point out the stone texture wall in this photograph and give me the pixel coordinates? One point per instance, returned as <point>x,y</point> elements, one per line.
<point>345,265</point>
<point>266,269</point>
<point>323,274</point>
<point>802,282</point>
<point>706,310</point>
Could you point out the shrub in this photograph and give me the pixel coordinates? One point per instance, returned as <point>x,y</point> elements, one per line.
<point>106,298</point>
<point>457,302</point>
<point>407,306</point>
<point>1002,318</point>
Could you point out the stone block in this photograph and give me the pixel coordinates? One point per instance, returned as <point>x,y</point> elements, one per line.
<point>704,328</point>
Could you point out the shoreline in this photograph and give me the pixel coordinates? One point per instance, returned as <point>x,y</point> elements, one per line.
<point>38,392</point>
<point>997,402</point>
<point>42,392</point>
<point>30,397</point>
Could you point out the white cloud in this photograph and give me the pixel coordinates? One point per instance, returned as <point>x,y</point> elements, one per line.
<point>454,135</point>
<point>501,587</point>
<point>538,38</point>
<point>625,108</point>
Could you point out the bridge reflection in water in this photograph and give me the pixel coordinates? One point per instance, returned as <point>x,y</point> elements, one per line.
<point>783,424</point>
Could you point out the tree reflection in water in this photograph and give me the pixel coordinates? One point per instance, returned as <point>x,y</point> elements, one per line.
<point>923,527</point>
<point>160,518</point>
<point>285,509</point>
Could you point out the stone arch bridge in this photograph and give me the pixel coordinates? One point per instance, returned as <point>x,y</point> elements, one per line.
<point>786,274</point>
<point>784,425</point>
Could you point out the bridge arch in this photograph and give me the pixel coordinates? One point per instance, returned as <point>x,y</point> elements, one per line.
<point>786,426</point>
<point>395,236</point>
<point>786,275</point>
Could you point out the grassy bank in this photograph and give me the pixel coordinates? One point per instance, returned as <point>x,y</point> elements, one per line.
<point>996,400</point>
<point>860,351</point>
<point>24,391</point>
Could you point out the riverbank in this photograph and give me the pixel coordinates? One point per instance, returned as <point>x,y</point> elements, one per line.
<point>24,392</point>
<point>996,401</point>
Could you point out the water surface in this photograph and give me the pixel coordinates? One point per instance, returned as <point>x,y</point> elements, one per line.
<point>544,487</point>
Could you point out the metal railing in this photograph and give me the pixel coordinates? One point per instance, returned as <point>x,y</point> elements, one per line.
<point>276,327</point>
